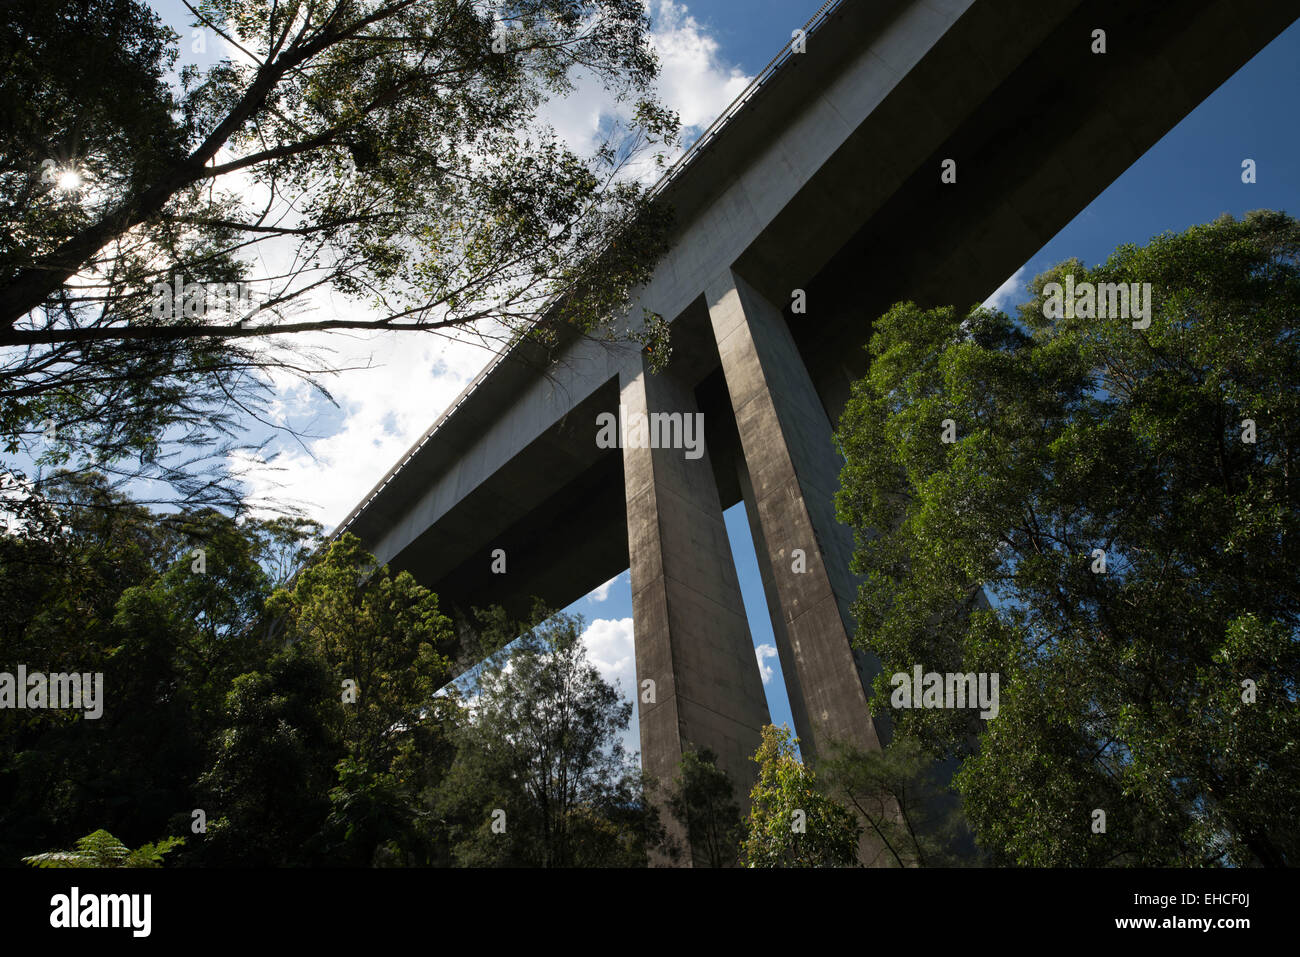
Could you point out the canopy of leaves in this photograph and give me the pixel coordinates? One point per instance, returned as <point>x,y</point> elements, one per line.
<point>111,589</point>
<point>1123,689</point>
<point>355,730</point>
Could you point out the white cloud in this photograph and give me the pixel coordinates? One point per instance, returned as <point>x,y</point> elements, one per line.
<point>385,408</point>
<point>601,593</point>
<point>1011,292</point>
<point>694,79</point>
<point>610,647</point>
<point>762,653</point>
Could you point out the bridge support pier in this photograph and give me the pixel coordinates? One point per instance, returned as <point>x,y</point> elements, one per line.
<point>789,477</point>
<point>692,638</point>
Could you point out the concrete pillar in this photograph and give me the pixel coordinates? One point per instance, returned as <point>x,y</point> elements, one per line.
<point>789,479</point>
<point>692,637</point>
<point>767,575</point>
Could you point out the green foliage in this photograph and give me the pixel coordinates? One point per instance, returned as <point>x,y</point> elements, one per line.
<point>1120,691</point>
<point>343,777</point>
<point>703,799</point>
<point>542,744</point>
<point>900,792</point>
<point>108,587</point>
<point>225,693</point>
<point>210,702</point>
<point>791,824</point>
<point>382,631</point>
<point>272,767</point>
<point>102,849</point>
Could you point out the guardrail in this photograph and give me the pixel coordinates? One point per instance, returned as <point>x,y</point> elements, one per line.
<point>696,148</point>
<point>701,143</point>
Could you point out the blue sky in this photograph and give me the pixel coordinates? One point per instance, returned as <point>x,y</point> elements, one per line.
<point>710,49</point>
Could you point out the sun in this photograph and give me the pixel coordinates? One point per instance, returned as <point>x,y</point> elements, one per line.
<point>69,181</point>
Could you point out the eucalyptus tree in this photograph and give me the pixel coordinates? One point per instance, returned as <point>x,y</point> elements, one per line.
<point>1122,488</point>
<point>374,165</point>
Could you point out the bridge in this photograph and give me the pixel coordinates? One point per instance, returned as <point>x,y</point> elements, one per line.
<point>825,177</point>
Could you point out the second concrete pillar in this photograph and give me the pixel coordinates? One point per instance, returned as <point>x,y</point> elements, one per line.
<point>692,638</point>
<point>789,475</point>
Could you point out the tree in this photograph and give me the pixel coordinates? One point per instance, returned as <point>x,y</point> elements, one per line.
<point>791,824</point>
<point>390,151</point>
<point>360,736</point>
<point>223,710</point>
<point>901,795</point>
<point>266,789</point>
<point>703,799</point>
<point>541,778</point>
<point>1123,491</point>
<point>381,635</point>
<point>112,589</point>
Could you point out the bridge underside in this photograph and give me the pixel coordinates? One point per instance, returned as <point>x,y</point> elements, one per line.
<point>1038,126</point>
